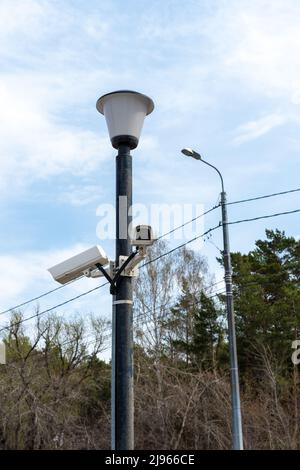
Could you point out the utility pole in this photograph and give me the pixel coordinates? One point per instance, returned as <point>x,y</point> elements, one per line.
<point>234,374</point>
<point>237,430</point>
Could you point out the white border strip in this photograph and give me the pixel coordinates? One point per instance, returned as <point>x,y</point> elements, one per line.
<point>118,302</point>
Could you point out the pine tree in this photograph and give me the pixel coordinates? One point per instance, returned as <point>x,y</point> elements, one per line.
<point>194,329</point>
<point>267,299</point>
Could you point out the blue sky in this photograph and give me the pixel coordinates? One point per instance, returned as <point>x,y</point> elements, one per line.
<point>225,79</point>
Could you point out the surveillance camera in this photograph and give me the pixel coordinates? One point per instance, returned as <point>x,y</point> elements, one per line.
<point>143,236</point>
<point>76,266</point>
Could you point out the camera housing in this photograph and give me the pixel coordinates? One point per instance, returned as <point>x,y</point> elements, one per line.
<point>143,235</point>
<point>77,265</point>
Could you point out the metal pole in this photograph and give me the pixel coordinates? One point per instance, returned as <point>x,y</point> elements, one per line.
<point>113,374</point>
<point>124,438</point>
<point>234,373</point>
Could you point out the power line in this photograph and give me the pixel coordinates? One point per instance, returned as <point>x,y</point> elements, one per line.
<point>161,236</point>
<point>73,280</point>
<point>181,246</point>
<point>136,318</point>
<point>154,260</point>
<point>189,221</point>
<point>263,217</point>
<point>203,289</point>
<point>261,283</point>
<point>36,315</point>
<point>102,339</point>
<point>102,285</point>
<point>263,197</point>
<point>157,258</point>
<point>39,296</point>
<point>228,203</point>
<point>194,302</point>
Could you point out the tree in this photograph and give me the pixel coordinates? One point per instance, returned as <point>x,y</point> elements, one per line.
<point>194,329</point>
<point>267,299</point>
<point>47,386</point>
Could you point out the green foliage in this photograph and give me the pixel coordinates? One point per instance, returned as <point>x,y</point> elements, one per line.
<point>267,299</point>
<point>194,329</point>
<point>55,389</point>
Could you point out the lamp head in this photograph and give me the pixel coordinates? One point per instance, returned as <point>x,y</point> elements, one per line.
<point>125,111</point>
<point>191,153</point>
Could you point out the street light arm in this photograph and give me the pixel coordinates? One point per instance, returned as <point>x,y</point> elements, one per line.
<point>215,168</point>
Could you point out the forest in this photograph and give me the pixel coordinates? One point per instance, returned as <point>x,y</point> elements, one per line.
<point>55,386</point>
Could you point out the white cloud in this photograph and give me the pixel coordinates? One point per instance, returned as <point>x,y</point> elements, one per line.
<point>34,145</point>
<point>257,42</point>
<point>47,83</point>
<point>80,195</point>
<point>22,17</point>
<point>96,29</point>
<point>254,129</point>
<point>24,276</point>
<point>28,27</point>
<point>211,51</point>
<point>19,273</point>
<point>161,21</point>
<point>57,57</point>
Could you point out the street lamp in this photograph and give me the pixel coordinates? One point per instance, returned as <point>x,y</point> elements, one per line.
<point>234,373</point>
<point>124,112</point>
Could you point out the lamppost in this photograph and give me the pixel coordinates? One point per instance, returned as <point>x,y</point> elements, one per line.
<point>124,112</point>
<point>234,373</point>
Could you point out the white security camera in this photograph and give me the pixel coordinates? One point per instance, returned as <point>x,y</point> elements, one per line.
<point>78,265</point>
<point>143,236</point>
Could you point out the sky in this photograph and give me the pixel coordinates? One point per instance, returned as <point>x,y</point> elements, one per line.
<point>225,80</point>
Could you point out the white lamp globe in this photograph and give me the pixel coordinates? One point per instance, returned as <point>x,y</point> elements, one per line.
<point>124,113</point>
